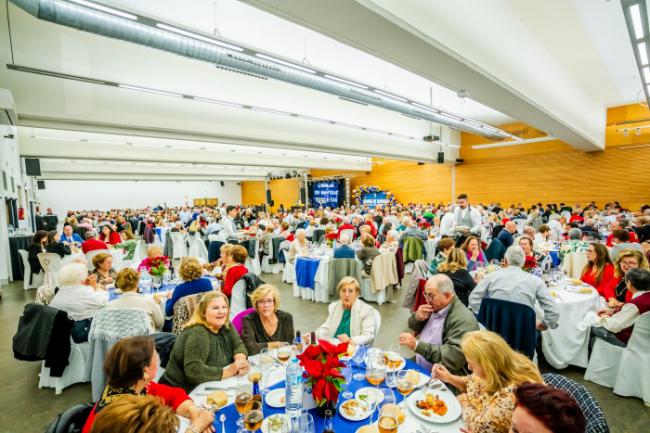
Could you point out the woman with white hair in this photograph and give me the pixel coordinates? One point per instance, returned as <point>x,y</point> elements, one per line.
<point>299,246</point>
<point>392,244</point>
<point>79,296</point>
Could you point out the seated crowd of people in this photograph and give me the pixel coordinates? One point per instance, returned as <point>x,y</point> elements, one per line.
<point>499,388</point>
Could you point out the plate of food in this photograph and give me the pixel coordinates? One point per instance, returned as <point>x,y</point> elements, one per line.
<point>354,410</point>
<point>369,394</point>
<point>349,354</point>
<point>394,361</point>
<point>275,423</point>
<point>276,398</point>
<point>215,400</point>
<point>433,406</point>
<point>416,378</point>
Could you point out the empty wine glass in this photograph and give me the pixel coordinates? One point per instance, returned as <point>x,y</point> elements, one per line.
<point>266,363</point>
<point>306,423</point>
<point>358,358</point>
<point>347,375</point>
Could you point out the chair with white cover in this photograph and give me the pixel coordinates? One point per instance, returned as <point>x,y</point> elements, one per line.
<point>377,317</point>
<point>213,237</point>
<point>574,263</point>
<point>198,249</point>
<point>78,369</point>
<point>383,275</point>
<point>30,279</point>
<point>267,266</point>
<point>179,247</point>
<point>633,379</point>
<point>348,232</point>
<point>51,263</point>
<point>238,298</point>
<point>604,363</point>
<point>91,254</point>
<point>140,252</point>
<point>255,261</point>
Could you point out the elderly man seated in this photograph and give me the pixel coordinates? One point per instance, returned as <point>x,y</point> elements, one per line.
<point>92,242</point>
<point>439,325</point>
<point>69,237</point>
<point>413,230</point>
<point>506,235</point>
<point>343,249</point>
<point>516,285</point>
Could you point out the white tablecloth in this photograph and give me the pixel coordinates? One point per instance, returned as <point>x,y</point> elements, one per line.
<point>320,293</point>
<point>568,343</point>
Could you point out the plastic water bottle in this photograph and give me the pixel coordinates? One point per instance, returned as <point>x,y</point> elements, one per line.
<point>145,281</point>
<point>293,396</point>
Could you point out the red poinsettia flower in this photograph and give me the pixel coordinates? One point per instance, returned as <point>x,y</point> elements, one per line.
<point>323,369</point>
<point>530,263</point>
<point>332,349</point>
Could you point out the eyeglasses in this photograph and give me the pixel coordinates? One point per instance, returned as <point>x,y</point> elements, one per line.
<point>429,297</point>
<point>266,302</point>
<point>629,263</point>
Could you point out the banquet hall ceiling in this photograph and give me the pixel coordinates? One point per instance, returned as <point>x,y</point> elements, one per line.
<point>81,114</point>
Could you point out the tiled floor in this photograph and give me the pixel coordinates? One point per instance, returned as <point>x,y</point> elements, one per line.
<point>24,407</point>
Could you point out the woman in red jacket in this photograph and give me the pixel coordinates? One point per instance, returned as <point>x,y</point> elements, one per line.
<point>130,367</point>
<point>599,270</point>
<point>237,255</point>
<point>616,293</point>
<point>109,235</point>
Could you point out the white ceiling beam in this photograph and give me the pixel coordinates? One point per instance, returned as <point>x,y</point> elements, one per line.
<point>142,176</point>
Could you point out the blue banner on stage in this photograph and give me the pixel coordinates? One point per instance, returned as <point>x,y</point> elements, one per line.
<point>326,194</point>
<point>375,198</point>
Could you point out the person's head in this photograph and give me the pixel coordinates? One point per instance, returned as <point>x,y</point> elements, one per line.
<point>265,299</point>
<point>638,280</point>
<point>301,235</point>
<point>462,201</point>
<point>67,230</point>
<point>543,409</point>
<point>445,245</point>
<point>511,226</point>
<point>72,274</point>
<point>231,211</point>
<point>544,230</point>
<point>225,253</point>
<point>439,291</point>
<point>391,236</point>
<point>53,237</point>
<point>456,259</point>
<point>239,254</point>
<point>575,234</point>
<point>344,239</point>
<point>127,280</point>
<point>497,364</point>
<point>127,235</point>
<point>367,241</point>
<point>40,237</point>
<point>106,231</point>
<point>629,259</point>
<point>212,312</point>
<point>103,261</point>
<point>620,236</point>
<point>136,414</point>
<point>471,244</point>
<point>348,290</point>
<point>131,361</point>
<point>154,251</point>
<point>515,256</point>
<point>190,269</point>
<point>526,244</point>
<point>90,234</point>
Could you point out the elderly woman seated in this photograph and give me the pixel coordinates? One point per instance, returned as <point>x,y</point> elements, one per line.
<point>343,249</point>
<point>574,245</point>
<point>103,263</point>
<point>152,251</point>
<point>392,244</point>
<point>267,327</point>
<point>191,273</point>
<point>349,319</point>
<point>234,259</point>
<point>127,281</point>
<point>80,296</point>
<point>299,246</point>
<point>367,252</point>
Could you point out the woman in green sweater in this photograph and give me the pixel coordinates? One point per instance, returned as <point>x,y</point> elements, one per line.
<point>209,349</point>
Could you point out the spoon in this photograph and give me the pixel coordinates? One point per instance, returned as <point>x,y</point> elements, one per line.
<point>222,418</point>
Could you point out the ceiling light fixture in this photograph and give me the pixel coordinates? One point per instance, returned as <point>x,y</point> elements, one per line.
<point>637,25</point>
<point>218,102</point>
<point>105,9</point>
<point>285,63</point>
<point>271,111</point>
<point>341,80</point>
<point>636,20</point>
<point>347,125</point>
<point>199,37</point>
<point>514,142</point>
<point>147,90</point>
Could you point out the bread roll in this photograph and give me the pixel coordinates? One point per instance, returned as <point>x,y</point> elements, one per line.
<point>218,399</point>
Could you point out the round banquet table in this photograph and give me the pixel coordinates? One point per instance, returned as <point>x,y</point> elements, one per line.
<point>312,278</point>
<point>411,423</point>
<point>568,343</point>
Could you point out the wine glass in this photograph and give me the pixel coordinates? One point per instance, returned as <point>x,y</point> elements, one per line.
<point>388,419</point>
<point>243,396</point>
<point>404,385</point>
<point>253,416</point>
<point>347,375</point>
<point>375,370</point>
<point>266,363</point>
<point>284,352</point>
<point>358,358</point>
<point>306,423</point>
<point>254,374</point>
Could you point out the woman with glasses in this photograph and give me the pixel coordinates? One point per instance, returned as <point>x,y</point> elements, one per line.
<point>599,270</point>
<point>616,293</point>
<point>267,327</point>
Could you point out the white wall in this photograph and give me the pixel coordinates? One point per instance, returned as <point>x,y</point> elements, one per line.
<point>64,195</point>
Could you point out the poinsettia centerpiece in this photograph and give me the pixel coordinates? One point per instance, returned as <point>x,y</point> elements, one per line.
<point>156,266</point>
<point>323,370</point>
<point>530,264</point>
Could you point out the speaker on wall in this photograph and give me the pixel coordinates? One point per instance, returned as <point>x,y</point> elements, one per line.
<point>441,157</point>
<point>40,184</point>
<point>32,166</point>
<point>303,196</point>
<point>269,200</point>
<point>222,184</point>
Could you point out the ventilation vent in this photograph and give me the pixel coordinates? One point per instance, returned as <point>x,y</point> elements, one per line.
<point>248,74</point>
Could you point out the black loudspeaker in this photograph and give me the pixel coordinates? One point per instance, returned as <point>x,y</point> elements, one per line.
<point>303,196</point>
<point>222,184</point>
<point>271,203</point>
<point>441,157</point>
<point>40,184</point>
<point>33,167</point>
<point>268,197</point>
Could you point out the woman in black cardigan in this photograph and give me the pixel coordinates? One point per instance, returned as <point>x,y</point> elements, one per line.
<point>34,249</point>
<point>267,327</point>
<point>455,267</point>
<point>54,244</point>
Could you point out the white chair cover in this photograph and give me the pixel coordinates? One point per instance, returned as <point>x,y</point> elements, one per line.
<point>238,298</point>
<point>377,316</point>
<point>633,379</point>
<point>383,264</point>
<point>91,254</point>
<point>348,232</point>
<point>78,369</point>
<point>603,363</point>
<point>289,274</point>
<point>198,249</point>
<point>30,281</point>
<point>179,247</point>
<point>574,263</point>
<point>213,237</point>
<point>140,252</point>
<point>269,268</point>
<point>51,263</point>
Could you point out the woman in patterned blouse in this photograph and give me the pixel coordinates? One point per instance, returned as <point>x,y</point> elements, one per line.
<point>488,394</point>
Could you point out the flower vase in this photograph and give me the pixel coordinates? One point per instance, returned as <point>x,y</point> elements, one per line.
<point>156,282</point>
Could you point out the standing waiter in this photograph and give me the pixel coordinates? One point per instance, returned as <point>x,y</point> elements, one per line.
<point>467,218</point>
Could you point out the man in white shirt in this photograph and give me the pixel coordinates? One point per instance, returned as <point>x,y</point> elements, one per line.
<point>467,216</point>
<point>556,227</point>
<point>229,226</point>
<point>516,285</point>
<point>447,224</point>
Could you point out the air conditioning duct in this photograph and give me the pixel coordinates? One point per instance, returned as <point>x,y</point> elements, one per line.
<point>7,109</point>
<point>199,48</point>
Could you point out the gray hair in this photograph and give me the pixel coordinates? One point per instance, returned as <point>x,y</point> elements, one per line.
<point>344,240</point>
<point>515,256</point>
<point>575,234</point>
<point>441,282</point>
<point>393,233</point>
<point>301,232</point>
<point>90,234</point>
<point>72,274</point>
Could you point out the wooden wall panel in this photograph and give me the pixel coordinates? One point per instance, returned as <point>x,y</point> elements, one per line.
<point>252,192</point>
<point>283,191</point>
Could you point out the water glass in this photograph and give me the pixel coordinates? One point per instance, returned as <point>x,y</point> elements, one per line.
<point>347,375</point>
<point>306,423</point>
<point>358,358</point>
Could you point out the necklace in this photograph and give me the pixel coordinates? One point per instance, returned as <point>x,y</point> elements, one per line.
<point>620,291</point>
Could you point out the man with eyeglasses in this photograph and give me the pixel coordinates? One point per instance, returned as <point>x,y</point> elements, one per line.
<point>439,326</point>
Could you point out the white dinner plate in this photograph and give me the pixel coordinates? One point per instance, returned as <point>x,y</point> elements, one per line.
<point>358,410</point>
<point>398,358</point>
<point>276,398</point>
<point>273,423</point>
<point>369,395</point>
<point>453,407</point>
